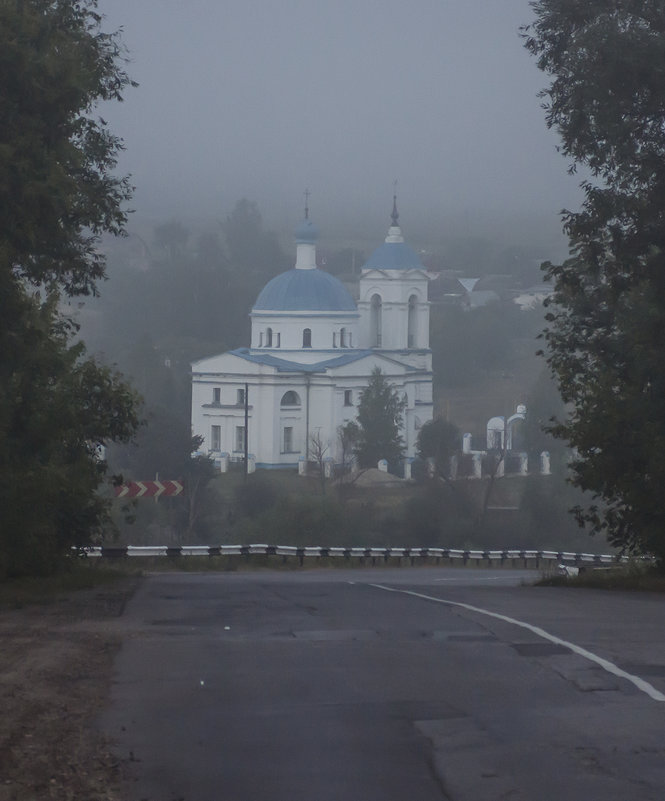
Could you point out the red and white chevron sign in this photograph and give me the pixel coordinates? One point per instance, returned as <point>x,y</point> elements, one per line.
<point>148,489</point>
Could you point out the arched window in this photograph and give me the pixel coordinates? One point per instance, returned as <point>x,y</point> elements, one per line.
<point>307,338</point>
<point>342,338</point>
<point>268,337</point>
<point>290,398</point>
<point>375,322</point>
<point>411,340</point>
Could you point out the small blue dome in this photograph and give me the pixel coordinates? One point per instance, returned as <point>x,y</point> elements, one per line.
<point>306,232</point>
<point>304,290</point>
<point>394,256</point>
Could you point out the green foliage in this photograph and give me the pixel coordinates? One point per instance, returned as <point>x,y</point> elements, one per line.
<point>349,436</point>
<point>57,188</point>
<point>255,495</point>
<point>305,520</point>
<point>439,516</point>
<point>606,320</point>
<point>468,344</point>
<point>193,294</point>
<point>439,439</point>
<point>250,248</point>
<point>57,195</point>
<point>57,409</point>
<point>380,418</point>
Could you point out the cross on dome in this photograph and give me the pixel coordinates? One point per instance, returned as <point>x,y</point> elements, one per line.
<point>395,216</point>
<point>394,232</point>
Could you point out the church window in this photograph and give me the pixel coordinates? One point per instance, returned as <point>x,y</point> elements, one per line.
<point>240,397</point>
<point>290,398</point>
<point>342,338</point>
<point>307,338</point>
<point>268,337</point>
<point>411,323</point>
<point>215,438</point>
<point>216,396</point>
<point>288,439</point>
<point>375,321</point>
<point>334,339</point>
<point>240,439</point>
<point>348,397</point>
<point>261,339</point>
<point>279,340</point>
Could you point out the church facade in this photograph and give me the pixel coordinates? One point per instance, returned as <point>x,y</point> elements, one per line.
<point>312,351</point>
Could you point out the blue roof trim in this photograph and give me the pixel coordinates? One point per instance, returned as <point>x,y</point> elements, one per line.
<point>394,256</point>
<point>287,366</point>
<point>304,290</point>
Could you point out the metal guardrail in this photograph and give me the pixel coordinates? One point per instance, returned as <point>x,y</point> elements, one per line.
<point>302,553</point>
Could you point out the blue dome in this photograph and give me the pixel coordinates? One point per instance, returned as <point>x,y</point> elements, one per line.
<point>394,256</point>
<point>306,232</point>
<point>304,290</point>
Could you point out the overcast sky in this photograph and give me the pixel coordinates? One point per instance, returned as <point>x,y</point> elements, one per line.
<point>263,98</point>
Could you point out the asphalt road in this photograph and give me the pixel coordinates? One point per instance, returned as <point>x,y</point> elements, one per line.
<point>361,685</point>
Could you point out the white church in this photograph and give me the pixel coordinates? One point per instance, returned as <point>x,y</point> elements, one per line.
<point>312,351</point>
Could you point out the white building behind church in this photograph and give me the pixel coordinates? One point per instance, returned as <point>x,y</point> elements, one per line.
<point>311,354</point>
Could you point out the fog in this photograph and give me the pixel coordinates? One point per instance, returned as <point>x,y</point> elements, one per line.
<point>263,99</point>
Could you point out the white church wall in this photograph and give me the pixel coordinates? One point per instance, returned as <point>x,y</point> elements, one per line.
<point>278,432</point>
<point>286,332</point>
<point>394,293</point>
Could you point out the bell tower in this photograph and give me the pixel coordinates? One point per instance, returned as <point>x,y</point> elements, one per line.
<point>393,302</point>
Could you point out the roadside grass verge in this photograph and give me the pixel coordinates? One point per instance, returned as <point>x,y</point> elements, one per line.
<point>75,575</point>
<point>635,577</point>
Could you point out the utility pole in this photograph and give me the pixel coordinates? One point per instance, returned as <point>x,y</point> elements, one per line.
<point>246,430</point>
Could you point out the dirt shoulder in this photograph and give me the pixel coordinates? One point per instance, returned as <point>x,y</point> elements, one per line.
<point>56,663</point>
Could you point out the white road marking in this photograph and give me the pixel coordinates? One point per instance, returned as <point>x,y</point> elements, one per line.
<point>486,578</point>
<point>610,667</point>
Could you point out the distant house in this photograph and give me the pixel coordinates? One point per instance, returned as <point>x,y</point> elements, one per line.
<point>533,296</point>
<point>479,297</point>
<point>445,287</point>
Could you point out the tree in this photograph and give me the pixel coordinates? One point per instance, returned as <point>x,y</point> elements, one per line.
<point>348,436</point>
<point>606,319</point>
<point>171,239</point>
<point>251,248</point>
<point>317,451</point>
<point>439,440</point>
<point>58,194</point>
<point>57,410</point>
<point>380,418</point>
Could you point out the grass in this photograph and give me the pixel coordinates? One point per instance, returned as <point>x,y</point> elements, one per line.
<point>75,576</point>
<point>633,577</point>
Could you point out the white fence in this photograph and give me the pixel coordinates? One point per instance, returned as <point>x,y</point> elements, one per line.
<point>526,557</point>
